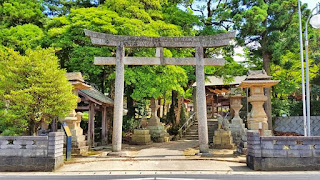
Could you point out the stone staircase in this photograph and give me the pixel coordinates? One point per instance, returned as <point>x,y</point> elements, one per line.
<point>192,132</point>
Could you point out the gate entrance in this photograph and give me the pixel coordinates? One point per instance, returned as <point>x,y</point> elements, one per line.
<point>197,42</point>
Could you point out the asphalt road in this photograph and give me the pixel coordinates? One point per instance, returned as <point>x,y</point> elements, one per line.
<point>289,176</point>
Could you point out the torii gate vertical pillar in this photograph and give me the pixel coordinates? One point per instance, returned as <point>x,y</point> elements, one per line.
<point>118,100</point>
<point>201,102</point>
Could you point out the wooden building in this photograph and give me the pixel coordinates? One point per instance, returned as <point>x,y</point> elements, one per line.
<point>216,90</point>
<point>93,101</point>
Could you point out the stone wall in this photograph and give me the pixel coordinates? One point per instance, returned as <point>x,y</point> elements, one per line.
<point>295,124</point>
<point>277,153</point>
<point>31,153</point>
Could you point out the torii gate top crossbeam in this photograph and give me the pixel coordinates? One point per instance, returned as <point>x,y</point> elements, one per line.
<point>211,41</point>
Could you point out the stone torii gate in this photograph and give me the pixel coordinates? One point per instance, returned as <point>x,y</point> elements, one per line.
<point>197,42</point>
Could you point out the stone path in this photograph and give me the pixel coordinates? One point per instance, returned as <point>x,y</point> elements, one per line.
<point>170,156</point>
<point>169,150</point>
<point>154,165</point>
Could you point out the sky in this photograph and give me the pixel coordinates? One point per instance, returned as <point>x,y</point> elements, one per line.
<point>311,3</point>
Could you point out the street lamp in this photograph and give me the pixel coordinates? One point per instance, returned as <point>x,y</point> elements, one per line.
<point>315,23</point>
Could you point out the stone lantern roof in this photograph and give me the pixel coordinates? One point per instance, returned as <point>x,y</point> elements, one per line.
<point>258,78</point>
<point>257,74</point>
<point>76,79</point>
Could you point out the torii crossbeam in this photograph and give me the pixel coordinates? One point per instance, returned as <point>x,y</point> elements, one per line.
<point>197,42</point>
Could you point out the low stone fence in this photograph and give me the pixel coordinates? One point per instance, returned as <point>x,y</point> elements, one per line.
<point>278,153</point>
<point>31,153</point>
<point>295,124</point>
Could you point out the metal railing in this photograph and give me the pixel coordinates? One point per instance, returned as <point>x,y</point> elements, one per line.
<point>187,124</point>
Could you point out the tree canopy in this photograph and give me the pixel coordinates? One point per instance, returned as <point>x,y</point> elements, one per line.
<point>32,90</point>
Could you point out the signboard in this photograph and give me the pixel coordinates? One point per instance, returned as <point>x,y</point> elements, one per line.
<point>69,140</point>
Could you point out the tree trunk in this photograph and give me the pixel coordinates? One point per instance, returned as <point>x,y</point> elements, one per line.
<point>103,80</point>
<point>177,111</point>
<point>171,117</point>
<point>267,105</point>
<point>33,128</point>
<point>130,107</point>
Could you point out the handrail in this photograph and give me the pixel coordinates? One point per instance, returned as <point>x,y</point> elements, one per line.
<point>187,123</point>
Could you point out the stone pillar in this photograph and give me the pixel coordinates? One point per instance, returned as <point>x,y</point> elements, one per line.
<point>201,102</point>
<point>118,100</point>
<point>237,126</point>
<point>104,128</point>
<point>258,115</point>
<point>156,129</point>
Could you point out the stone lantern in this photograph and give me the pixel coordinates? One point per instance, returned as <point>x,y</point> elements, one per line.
<point>156,129</point>
<point>257,81</point>
<point>79,145</point>
<point>237,127</point>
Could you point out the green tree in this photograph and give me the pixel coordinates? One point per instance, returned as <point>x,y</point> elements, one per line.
<point>32,90</point>
<point>125,17</point>
<point>63,7</point>
<point>21,37</point>
<point>265,22</point>
<point>19,12</point>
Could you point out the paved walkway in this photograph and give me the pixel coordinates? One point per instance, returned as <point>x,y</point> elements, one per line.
<point>169,150</point>
<point>160,157</point>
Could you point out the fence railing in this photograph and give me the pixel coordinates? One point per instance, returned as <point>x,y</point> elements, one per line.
<point>187,124</point>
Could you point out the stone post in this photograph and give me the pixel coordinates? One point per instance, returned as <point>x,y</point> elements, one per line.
<point>118,100</point>
<point>55,144</point>
<point>201,102</point>
<point>258,115</point>
<point>154,120</point>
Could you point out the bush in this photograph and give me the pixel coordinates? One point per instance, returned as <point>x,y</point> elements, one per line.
<point>293,108</point>
<point>281,107</point>
<point>129,124</point>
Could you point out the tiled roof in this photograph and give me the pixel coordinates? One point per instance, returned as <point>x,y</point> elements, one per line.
<point>214,81</point>
<point>97,95</point>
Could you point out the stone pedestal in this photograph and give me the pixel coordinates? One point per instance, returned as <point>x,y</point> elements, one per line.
<point>79,144</point>
<point>141,137</point>
<point>237,127</point>
<point>222,140</point>
<point>155,127</point>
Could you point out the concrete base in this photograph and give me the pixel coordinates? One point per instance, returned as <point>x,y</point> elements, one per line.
<point>118,154</point>
<point>24,164</point>
<point>283,164</point>
<point>242,148</point>
<point>204,148</point>
<point>80,151</point>
<point>141,137</point>
<point>223,140</point>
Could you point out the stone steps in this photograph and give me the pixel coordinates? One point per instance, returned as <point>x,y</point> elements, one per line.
<point>192,132</point>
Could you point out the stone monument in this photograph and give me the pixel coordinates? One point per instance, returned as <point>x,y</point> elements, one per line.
<point>79,145</point>
<point>156,129</point>
<point>237,127</point>
<point>257,81</point>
